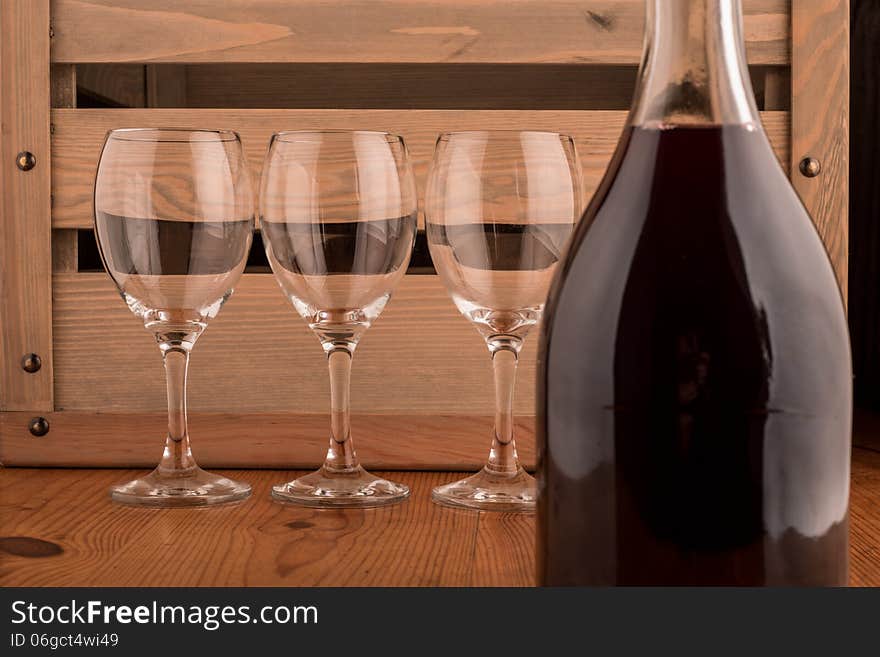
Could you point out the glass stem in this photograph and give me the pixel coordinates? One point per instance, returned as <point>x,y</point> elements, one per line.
<point>177,457</point>
<point>502,455</point>
<point>341,456</point>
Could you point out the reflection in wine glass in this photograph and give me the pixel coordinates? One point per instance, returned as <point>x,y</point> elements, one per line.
<point>174,219</point>
<point>500,207</point>
<point>338,216</point>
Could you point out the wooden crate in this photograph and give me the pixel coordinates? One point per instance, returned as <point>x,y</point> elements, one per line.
<point>258,385</point>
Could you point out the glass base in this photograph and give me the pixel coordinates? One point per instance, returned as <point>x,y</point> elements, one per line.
<point>490,491</point>
<point>325,488</point>
<point>195,488</point>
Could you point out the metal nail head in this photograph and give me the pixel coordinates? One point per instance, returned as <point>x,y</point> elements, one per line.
<point>31,363</point>
<point>810,167</point>
<point>38,426</point>
<point>26,160</point>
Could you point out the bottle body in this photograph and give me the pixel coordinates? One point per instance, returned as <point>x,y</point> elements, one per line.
<point>694,383</point>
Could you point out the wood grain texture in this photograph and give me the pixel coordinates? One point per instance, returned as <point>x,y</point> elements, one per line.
<point>79,135</point>
<point>65,250</point>
<point>421,356</point>
<point>257,440</point>
<point>426,31</point>
<point>256,543</point>
<point>777,88</point>
<point>63,85</point>
<point>65,242</point>
<point>864,560</point>
<point>25,215</point>
<point>115,84</point>
<point>85,540</point>
<point>820,119</point>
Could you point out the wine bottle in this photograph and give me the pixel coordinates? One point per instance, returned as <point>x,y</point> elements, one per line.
<point>694,383</point>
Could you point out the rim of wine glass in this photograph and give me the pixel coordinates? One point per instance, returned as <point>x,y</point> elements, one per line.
<point>130,134</point>
<point>506,132</point>
<point>285,135</point>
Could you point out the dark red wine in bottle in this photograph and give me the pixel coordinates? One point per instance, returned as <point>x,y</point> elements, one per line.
<point>694,385</point>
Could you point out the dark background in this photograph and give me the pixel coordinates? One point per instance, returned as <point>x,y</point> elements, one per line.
<point>864,237</point>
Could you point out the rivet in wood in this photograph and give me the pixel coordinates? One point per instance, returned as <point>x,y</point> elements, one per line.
<point>31,363</point>
<point>26,160</point>
<point>810,167</point>
<point>38,426</point>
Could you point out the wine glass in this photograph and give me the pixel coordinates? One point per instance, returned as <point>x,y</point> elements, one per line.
<point>338,217</point>
<point>500,207</point>
<point>174,219</point>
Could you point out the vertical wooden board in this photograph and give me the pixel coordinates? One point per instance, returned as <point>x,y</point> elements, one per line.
<point>820,119</point>
<point>25,224</point>
<point>63,94</point>
<point>777,89</point>
<point>65,250</point>
<point>63,79</point>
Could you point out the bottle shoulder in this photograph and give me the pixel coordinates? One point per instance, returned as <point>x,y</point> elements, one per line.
<point>698,238</point>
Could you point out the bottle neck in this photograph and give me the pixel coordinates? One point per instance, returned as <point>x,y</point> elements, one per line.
<point>694,69</point>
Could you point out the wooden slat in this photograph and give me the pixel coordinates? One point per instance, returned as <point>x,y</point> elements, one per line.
<point>820,119</point>
<point>65,242</point>
<point>67,516</point>
<point>25,218</point>
<point>79,135</point>
<point>63,85</point>
<point>258,355</point>
<point>777,88</point>
<point>65,250</point>
<point>425,31</point>
<point>257,440</point>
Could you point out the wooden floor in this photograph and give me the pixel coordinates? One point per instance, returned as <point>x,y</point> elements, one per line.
<point>60,528</point>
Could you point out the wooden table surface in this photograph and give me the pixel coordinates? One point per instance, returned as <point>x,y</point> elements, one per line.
<point>60,528</point>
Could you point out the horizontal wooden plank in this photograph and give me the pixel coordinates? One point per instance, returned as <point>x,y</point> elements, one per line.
<point>256,440</point>
<point>79,134</point>
<point>258,355</point>
<point>425,31</point>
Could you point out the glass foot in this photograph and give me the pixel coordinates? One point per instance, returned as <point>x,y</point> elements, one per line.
<point>195,488</point>
<point>489,491</point>
<point>340,489</point>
